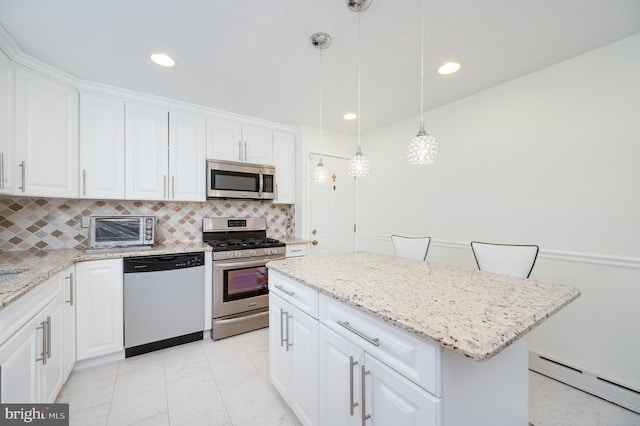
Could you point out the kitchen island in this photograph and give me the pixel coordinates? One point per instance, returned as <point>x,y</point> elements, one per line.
<point>424,343</point>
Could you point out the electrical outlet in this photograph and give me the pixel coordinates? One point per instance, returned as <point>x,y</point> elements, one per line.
<point>85,221</point>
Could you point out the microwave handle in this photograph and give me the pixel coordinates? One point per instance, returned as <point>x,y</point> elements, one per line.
<point>261,187</point>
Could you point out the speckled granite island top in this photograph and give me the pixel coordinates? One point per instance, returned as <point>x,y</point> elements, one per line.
<point>34,267</point>
<point>474,313</point>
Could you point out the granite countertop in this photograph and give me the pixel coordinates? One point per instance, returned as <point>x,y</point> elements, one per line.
<point>35,267</point>
<point>290,241</point>
<point>470,312</point>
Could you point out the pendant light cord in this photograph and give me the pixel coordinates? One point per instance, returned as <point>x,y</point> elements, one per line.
<point>321,95</point>
<point>422,65</point>
<point>359,115</point>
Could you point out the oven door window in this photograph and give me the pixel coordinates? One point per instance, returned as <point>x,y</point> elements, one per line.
<point>117,230</point>
<point>223,180</point>
<point>245,282</point>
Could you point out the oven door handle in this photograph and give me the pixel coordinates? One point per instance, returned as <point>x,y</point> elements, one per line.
<point>244,264</point>
<point>242,318</point>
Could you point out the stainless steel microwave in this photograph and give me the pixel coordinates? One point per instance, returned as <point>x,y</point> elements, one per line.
<point>230,179</point>
<point>121,231</point>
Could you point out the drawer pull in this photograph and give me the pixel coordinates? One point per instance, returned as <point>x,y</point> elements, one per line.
<point>287,292</point>
<point>374,341</point>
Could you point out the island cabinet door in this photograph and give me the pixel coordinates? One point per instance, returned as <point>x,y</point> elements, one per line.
<point>391,399</point>
<point>340,384</point>
<point>279,353</point>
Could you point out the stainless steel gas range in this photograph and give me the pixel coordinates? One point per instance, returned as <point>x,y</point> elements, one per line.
<point>241,250</point>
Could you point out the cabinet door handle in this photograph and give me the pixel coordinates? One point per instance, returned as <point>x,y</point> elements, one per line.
<point>289,344</point>
<point>373,340</point>
<point>282,339</point>
<point>287,292</point>
<point>43,354</point>
<point>84,182</point>
<point>245,151</point>
<point>1,170</point>
<point>240,150</point>
<point>164,188</point>
<point>70,278</point>
<point>365,416</point>
<point>48,337</point>
<point>276,191</point>
<point>352,404</point>
<point>173,186</point>
<point>23,166</point>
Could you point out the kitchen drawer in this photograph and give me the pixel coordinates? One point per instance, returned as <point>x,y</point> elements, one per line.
<point>296,250</point>
<point>414,358</point>
<point>300,296</point>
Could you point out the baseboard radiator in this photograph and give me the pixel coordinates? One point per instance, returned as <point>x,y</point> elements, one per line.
<point>602,387</point>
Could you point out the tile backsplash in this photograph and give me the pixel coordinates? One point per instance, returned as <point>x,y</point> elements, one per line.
<point>48,223</point>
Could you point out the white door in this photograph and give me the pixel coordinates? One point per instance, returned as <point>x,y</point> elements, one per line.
<point>332,207</point>
<point>304,366</point>
<point>279,353</point>
<point>224,139</point>
<point>19,378</point>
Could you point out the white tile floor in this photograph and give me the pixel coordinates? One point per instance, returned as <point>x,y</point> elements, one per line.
<point>227,383</point>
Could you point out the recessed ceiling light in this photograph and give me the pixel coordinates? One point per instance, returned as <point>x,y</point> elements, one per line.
<point>449,68</point>
<point>163,60</point>
<point>349,116</point>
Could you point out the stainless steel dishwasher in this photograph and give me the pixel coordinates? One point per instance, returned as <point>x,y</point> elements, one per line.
<point>163,301</point>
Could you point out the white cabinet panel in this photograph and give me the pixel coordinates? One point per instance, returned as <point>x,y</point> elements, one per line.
<point>284,158</point>
<point>69,312</point>
<point>233,141</point>
<point>99,308</point>
<point>7,142</point>
<point>147,152</point>
<point>19,379</point>
<point>293,360</point>
<point>46,137</point>
<point>101,147</point>
<point>187,156</point>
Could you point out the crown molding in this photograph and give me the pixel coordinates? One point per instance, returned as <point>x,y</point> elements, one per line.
<point>8,44</point>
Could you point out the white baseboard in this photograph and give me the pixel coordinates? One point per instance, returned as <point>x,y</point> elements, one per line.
<point>589,382</point>
<point>104,359</point>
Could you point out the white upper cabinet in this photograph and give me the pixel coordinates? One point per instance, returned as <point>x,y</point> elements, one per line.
<point>7,102</point>
<point>46,137</point>
<point>187,156</point>
<point>101,147</point>
<point>165,154</point>
<point>233,141</point>
<point>147,152</point>
<point>284,158</point>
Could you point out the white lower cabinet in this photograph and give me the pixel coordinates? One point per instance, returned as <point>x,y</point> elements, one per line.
<point>99,308</point>
<point>293,360</point>
<point>33,359</point>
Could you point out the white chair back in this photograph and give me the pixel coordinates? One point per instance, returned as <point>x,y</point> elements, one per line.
<point>411,247</point>
<point>508,259</point>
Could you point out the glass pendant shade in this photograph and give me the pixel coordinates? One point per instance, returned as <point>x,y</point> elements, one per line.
<point>359,166</point>
<point>320,174</point>
<point>423,148</point>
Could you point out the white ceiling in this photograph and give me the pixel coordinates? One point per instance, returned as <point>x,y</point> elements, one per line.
<point>253,57</point>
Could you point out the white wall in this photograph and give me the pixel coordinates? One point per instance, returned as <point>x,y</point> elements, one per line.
<point>552,158</point>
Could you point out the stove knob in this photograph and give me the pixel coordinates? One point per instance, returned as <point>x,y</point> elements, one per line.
<point>252,253</point>
<point>266,251</point>
<point>229,254</point>
<point>274,251</point>
<point>238,254</point>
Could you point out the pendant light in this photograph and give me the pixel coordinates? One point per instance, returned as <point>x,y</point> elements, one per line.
<point>359,166</point>
<point>423,148</point>
<point>320,174</point>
